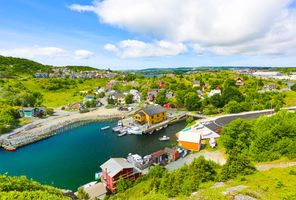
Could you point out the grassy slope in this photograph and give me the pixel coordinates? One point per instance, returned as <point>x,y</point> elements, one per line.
<point>63,97</point>
<point>263,185</point>
<point>290,98</point>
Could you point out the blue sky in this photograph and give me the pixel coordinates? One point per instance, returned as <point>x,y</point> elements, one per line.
<point>125,34</point>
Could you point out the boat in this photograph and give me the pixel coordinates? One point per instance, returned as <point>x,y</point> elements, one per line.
<point>105,128</point>
<point>159,128</point>
<point>164,138</point>
<point>135,130</point>
<point>116,129</point>
<point>122,134</point>
<point>9,148</point>
<point>98,176</point>
<point>165,126</point>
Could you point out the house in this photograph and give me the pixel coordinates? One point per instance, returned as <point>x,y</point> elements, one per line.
<point>111,83</point>
<point>196,84</point>
<point>161,84</point>
<point>190,138</point>
<point>136,94</point>
<point>100,90</point>
<point>172,153</point>
<point>239,81</point>
<point>41,75</point>
<point>89,97</point>
<point>213,92</point>
<point>31,112</point>
<point>151,95</point>
<point>159,157</point>
<point>115,168</point>
<point>119,97</point>
<point>169,95</point>
<point>150,115</point>
<point>199,93</point>
<point>75,106</point>
<point>271,86</point>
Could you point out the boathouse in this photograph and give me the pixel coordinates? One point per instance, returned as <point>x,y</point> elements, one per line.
<point>172,153</point>
<point>115,168</point>
<point>159,157</point>
<point>150,115</point>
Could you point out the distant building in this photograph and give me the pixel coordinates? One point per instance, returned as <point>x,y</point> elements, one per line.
<point>172,153</point>
<point>136,94</point>
<point>150,115</point>
<point>111,83</point>
<point>41,75</point>
<point>169,95</point>
<point>266,74</point>
<point>196,84</point>
<point>31,112</point>
<point>119,97</point>
<point>89,97</point>
<point>239,81</point>
<point>213,92</point>
<point>151,95</point>
<point>161,84</point>
<point>115,168</point>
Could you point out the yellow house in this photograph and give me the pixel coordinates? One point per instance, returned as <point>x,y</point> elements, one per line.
<point>150,115</point>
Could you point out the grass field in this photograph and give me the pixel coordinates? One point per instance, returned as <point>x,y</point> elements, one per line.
<point>66,96</point>
<point>290,99</point>
<point>273,184</point>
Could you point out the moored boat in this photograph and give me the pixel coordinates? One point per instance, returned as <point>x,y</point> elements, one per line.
<point>105,128</point>
<point>116,129</point>
<point>135,130</point>
<point>164,138</point>
<point>9,148</point>
<point>122,134</point>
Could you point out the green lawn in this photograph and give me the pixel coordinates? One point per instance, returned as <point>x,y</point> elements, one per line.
<point>290,98</point>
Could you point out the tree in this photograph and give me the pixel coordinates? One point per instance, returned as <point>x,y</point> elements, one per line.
<point>232,107</point>
<point>49,111</point>
<point>293,87</point>
<point>111,101</point>
<point>101,95</point>
<point>122,185</point>
<point>192,101</point>
<point>161,98</point>
<point>81,194</point>
<point>237,164</point>
<point>216,100</point>
<point>231,93</point>
<point>129,98</point>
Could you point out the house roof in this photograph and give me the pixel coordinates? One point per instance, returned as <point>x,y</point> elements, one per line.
<point>170,150</point>
<point>195,134</point>
<point>153,110</point>
<point>28,109</point>
<point>115,165</point>
<point>196,82</point>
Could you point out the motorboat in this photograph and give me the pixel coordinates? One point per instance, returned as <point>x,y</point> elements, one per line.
<point>105,128</point>
<point>135,130</point>
<point>116,129</point>
<point>164,138</point>
<point>159,128</point>
<point>122,134</point>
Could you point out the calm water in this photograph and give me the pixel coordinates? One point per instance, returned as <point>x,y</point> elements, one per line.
<point>70,159</point>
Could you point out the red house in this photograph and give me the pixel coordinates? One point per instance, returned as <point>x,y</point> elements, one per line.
<point>161,84</point>
<point>173,153</point>
<point>115,168</point>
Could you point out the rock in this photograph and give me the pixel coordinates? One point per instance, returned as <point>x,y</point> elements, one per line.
<point>243,197</point>
<point>233,190</point>
<point>218,185</point>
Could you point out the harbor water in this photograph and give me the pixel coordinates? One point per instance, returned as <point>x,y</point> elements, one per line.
<point>70,159</point>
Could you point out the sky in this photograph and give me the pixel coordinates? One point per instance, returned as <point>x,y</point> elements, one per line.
<point>135,34</point>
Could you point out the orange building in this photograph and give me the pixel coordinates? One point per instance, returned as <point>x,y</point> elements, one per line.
<point>189,139</point>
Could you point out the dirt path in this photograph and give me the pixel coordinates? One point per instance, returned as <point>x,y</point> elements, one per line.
<point>267,166</point>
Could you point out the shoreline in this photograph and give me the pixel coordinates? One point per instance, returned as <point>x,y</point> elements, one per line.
<point>56,126</point>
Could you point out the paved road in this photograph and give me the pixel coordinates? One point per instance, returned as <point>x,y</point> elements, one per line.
<point>220,122</point>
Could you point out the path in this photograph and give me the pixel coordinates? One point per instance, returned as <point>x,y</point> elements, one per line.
<point>267,166</point>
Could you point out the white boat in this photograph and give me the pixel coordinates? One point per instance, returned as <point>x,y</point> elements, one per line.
<point>106,127</point>
<point>165,126</point>
<point>116,129</point>
<point>159,128</point>
<point>135,130</point>
<point>164,138</point>
<point>122,134</point>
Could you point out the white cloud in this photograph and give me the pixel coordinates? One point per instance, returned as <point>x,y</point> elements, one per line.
<point>137,49</point>
<point>219,26</point>
<point>45,52</point>
<point>83,54</point>
<point>110,47</point>
<point>31,52</point>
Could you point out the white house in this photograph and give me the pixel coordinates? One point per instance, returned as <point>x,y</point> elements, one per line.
<point>267,74</point>
<point>213,92</point>
<point>136,94</point>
